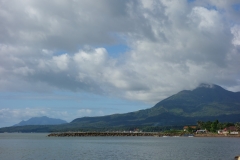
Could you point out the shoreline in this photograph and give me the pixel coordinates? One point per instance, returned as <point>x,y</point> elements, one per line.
<point>217,135</point>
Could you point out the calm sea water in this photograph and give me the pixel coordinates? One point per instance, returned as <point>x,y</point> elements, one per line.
<point>16,146</point>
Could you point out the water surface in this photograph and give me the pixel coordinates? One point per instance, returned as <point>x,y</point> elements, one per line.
<point>39,146</point>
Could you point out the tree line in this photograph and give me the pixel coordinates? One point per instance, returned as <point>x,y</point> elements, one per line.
<point>214,126</point>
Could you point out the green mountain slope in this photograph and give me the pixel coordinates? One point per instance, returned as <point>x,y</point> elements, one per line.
<point>206,102</point>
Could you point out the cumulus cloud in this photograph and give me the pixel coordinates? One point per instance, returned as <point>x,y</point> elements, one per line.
<point>84,111</point>
<point>173,45</point>
<point>62,25</point>
<point>236,33</point>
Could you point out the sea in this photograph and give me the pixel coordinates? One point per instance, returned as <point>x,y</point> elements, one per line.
<point>37,146</point>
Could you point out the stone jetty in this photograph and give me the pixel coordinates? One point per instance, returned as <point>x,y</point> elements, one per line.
<point>155,134</point>
<point>112,134</point>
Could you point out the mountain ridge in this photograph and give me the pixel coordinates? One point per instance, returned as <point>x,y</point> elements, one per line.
<point>44,120</point>
<point>207,100</point>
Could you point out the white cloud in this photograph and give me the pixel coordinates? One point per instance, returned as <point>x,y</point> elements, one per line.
<point>23,71</point>
<point>205,19</point>
<point>84,112</point>
<point>236,35</point>
<point>173,45</point>
<point>61,62</point>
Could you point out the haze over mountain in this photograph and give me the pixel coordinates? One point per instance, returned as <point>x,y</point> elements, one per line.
<point>44,120</point>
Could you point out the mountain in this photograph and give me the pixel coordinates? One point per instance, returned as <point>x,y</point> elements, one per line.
<point>206,102</point>
<point>41,121</point>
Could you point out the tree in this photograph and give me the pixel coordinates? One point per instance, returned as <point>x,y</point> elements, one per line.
<point>214,126</point>
<point>190,129</point>
<point>200,124</point>
<point>237,125</point>
<point>207,125</point>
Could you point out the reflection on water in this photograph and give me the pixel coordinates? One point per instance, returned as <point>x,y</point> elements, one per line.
<point>39,146</point>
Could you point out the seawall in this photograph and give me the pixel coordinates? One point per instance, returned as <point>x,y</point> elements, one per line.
<point>112,134</point>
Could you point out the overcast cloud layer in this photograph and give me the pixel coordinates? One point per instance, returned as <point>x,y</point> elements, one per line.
<point>47,46</point>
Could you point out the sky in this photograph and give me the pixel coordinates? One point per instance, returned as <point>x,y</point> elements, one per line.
<point>69,59</point>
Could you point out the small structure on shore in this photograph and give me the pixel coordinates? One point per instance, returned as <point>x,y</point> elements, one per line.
<point>229,130</point>
<point>200,131</point>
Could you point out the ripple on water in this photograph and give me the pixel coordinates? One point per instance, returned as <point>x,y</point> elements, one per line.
<point>38,146</point>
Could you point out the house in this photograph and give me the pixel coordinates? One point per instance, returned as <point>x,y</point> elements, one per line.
<point>201,131</point>
<point>137,130</point>
<point>234,132</point>
<point>223,132</point>
<point>229,130</point>
<point>185,128</point>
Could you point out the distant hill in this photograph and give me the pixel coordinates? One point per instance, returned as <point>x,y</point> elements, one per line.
<point>206,102</point>
<point>41,121</point>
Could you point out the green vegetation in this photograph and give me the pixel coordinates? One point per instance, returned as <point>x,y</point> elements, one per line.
<point>190,129</point>
<point>216,125</point>
<point>174,131</point>
<point>237,125</point>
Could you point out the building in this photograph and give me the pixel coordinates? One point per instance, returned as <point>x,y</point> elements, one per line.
<point>229,130</point>
<point>201,131</point>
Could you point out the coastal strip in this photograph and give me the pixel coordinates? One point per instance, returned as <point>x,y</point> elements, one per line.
<point>217,135</point>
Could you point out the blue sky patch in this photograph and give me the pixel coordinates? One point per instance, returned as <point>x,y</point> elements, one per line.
<point>60,52</point>
<point>236,7</point>
<point>116,50</point>
<point>211,7</point>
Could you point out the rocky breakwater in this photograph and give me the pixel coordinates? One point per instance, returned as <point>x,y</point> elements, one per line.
<point>94,134</point>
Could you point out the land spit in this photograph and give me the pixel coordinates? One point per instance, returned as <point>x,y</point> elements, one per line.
<point>94,134</point>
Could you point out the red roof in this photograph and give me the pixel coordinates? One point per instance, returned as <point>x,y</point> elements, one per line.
<point>194,127</point>
<point>231,128</point>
